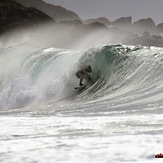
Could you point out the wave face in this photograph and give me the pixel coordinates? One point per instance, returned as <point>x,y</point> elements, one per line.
<point>122,76</point>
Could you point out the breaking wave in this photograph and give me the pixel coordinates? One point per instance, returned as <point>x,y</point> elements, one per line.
<point>49,74</point>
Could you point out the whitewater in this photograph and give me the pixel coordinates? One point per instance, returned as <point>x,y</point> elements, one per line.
<point>117,117</point>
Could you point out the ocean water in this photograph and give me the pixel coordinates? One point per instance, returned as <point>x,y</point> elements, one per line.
<point>117,117</point>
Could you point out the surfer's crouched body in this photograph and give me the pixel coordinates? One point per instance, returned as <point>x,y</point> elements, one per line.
<point>83,74</point>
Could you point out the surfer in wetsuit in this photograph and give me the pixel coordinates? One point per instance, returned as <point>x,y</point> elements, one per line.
<point>83,74</point>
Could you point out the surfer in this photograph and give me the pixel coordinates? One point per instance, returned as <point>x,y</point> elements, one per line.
<point>83,74</point>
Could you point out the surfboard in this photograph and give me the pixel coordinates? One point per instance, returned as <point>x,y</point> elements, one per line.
<point>80,87</point>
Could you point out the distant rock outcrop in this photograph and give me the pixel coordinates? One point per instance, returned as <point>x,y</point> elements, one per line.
<point>143,25</point>
<point>58,13</point>
<point>125,23</point>
<point>122,22</point>
<point>160,28</point>
<point>102,20</point>
<point>97,25</point>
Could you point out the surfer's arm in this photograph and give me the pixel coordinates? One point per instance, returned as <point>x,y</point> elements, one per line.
<point>78,74</point>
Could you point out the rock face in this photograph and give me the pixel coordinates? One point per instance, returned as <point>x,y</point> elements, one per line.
<point>124,21</point>
<point>160,27</point>
<point>14,14</point>
<point>143,25</point>
<point>121,22</point>
<point>72,29</point>
<point>58,13</point>
<point>102,20</point>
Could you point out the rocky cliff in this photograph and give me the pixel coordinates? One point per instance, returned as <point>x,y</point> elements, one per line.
<point>125,23</point>
<point>13,14</point>
<point>58,13</point>
<point>72,29</point>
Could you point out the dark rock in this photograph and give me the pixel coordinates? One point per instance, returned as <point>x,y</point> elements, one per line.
<point>58,13</point>
<point>13,14</point>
